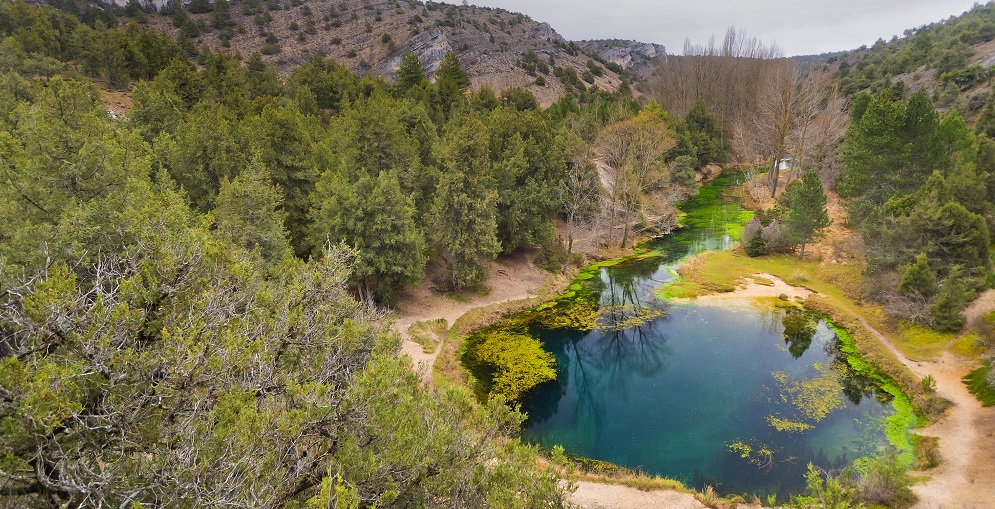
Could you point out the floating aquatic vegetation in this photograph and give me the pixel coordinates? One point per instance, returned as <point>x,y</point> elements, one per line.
<point>626,316</point>
<point>574,313</point>
<point>758,454</point>
<point>814,397</point>
<point>788,425</point>
<point>514,361</point>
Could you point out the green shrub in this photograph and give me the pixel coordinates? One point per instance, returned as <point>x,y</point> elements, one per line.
<point>552,256</point>
<point>510,362</point>
<point>884,481</point>
<point>756,246</point>
<point>980,384</point>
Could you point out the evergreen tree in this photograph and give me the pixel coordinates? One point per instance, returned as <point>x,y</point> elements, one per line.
<point>706,135</point>
<point>450,71</point>
<point>451,82</point>
<point>205,149</point>
<point>949,303</point>
<point>957,140</point>
<point>528,157</point>
<point>465,206</point>
<point>918,278</point>
<point>920,131</point>
<point>873,153</point>
<point>375,218</point>
<point>222,14</point>
<point>807,217</point>
<point>756,246</point>
<point>200,6</point>
<point>291,146</point>
<point>411,74</point>
<point>247,213</point>
<point>331,83</point>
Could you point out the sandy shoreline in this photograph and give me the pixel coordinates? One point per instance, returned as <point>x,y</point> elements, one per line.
<point>756,286</point>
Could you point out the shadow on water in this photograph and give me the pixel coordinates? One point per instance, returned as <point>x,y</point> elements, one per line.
<point>736,397</point>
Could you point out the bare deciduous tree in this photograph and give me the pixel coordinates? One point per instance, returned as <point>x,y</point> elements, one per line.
<point>580,191</point>
<point>632,150</point>
<point>776,111</point>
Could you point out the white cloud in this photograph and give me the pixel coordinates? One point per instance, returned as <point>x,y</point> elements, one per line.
<point>800,27</point>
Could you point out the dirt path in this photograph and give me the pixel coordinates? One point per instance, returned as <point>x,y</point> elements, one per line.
<point>510,278</point>
<point>592,495</point>
<point>963,480</point>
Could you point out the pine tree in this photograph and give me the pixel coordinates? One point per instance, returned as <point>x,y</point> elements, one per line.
<point>756,246</point>
<point>451,82</point>
<point>949,303</point>
<point>200,6</point>
<point>374,217</point>
<point>451,71</point>
<point>873,152</point>
<point>921,133</point>
<point>411,73</point>
<point>222,14</point>
<point>808,216</point>
<point>918,278</point>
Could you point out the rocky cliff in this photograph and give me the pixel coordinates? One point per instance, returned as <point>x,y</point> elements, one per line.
<point>498,48</point>
<point>640,57</point>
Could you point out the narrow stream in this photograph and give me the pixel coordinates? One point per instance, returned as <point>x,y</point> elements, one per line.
<point>740,396</point>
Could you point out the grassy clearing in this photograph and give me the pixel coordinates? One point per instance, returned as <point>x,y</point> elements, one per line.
<point>970,345</point>
<point>429,333</point>
<point>716,272</point>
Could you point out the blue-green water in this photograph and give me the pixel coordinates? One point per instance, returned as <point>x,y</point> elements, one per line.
<point>695,394</point>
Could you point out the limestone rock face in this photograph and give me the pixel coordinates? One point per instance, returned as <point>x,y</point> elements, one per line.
<point>638,56</point>
<point>155,5</point>
<point>545,32</point>
<point>430,46</point>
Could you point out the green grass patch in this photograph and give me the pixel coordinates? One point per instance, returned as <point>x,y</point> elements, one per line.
<point>721,271</point>
<point>969,345</point>
<point>429,333</point>
<point>922,343</point>
<point>977,383</point>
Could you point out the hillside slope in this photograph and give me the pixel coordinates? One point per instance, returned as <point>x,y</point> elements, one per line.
<point>951,60</point>
<point>498,48</point>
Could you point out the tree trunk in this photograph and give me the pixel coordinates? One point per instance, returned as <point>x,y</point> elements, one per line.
<point>802,255</point>
<point>775,175</point>
<point>570,242</point>
<point>625,228</point>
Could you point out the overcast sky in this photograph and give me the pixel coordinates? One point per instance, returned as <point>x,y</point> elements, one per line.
<point>800,27</point>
